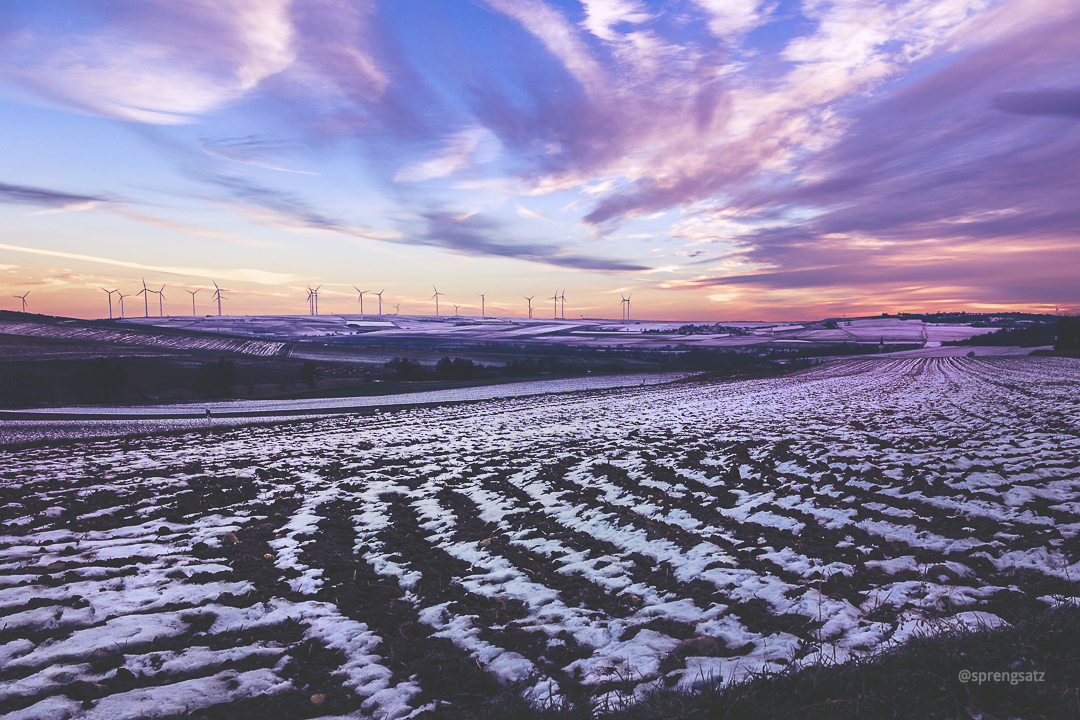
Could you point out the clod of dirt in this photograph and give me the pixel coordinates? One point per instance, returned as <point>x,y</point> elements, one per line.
<point>703,646</point>
<point>485,542</point>
<point>942,574</point>
<point>82,690</point>
<point>103,661</point>
<point>318,699</point>
<point>229,539</point>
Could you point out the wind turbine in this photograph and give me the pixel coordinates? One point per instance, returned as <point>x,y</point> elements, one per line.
<point>160,297</point>
<point>145,296</point>
<point>530,305</point>
<point>310,301</point>
<point>380,299</point>
<point>122,296</point>
<point>313,298</point>
<point>562,302</point>
<point>455,310</point>
<point>110,300</point>
<point>397,309</point>
<point>218,296</point>
<point>361,298</point>
<point>436,296</point>
<point>555,297</point>
<point>23,298</point>
<point>482,314</point>
<point>626,306</point>
<point>192,301</point>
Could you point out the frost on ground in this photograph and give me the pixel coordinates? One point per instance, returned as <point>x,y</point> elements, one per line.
<point>578,545</point>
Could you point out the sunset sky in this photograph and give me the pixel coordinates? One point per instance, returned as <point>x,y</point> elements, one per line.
<point>719,159</point>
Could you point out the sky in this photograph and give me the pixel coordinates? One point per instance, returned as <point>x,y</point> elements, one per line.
<point>711,159</point>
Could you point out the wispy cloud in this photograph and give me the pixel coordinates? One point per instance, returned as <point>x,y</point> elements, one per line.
<point>286,210</point>
<point>249,150</point>
<point>1065,103</point>
<point>61,202</point>
<point>476,235</point>
<point>261,277</point>
<point>455,154</point>
<point>531,214</point>
<point>52,199</point>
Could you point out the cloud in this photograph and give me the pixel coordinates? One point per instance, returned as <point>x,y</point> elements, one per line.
<point>74,207</point>
<point>1040,102</point>
<point>601,16</point>
<point>60,202</point>
<point>559,36</point>
<point>286,210</point>
<point>251,275</point>
<point>249,150</point>
<point>530,214</point>
<point>456,154</point>
<point>139,217</point>
<point>944,187</point>
<point>731,17</point>
<point>56,201</point>
<point>154,62</point>
<point>474,235</point>
<point>467,233</point>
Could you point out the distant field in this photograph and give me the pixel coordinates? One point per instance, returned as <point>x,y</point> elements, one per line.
<point>403,330</point>
<point>567,543</point>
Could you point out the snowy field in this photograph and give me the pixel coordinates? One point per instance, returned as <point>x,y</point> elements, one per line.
<point>569,543</point>
<point>119,335</point>
<point>642,334</point>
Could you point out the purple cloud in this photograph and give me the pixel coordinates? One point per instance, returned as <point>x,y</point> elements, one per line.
<point>474,235</point>
<point>23,194</point>
<point>1040,102</point>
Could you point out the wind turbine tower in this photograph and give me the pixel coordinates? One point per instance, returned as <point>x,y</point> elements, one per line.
<point>110,300</point>
<point>530,306</point>
<point>379,294</point>
<point>145,296</point>
<point>562,302</point>
<point>436,296</point>
<point>218,296</point>
<point>192,301</point>
<point>160,297</point>
<point>23,298</point>
<point>361,298</point>
<point>482,313</point>
<point>122,296</point>
<point>397,309</point>
<point>555,298</point>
